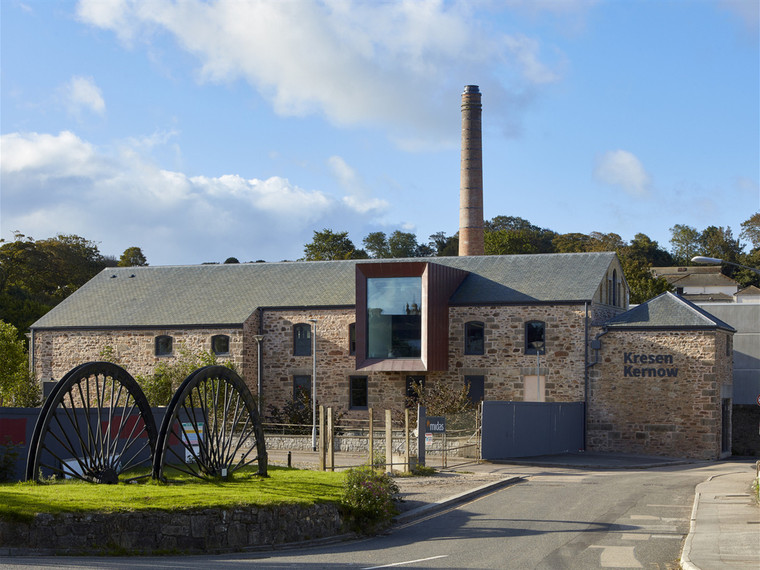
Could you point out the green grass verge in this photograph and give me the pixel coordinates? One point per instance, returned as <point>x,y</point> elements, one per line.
<point>21,501</point>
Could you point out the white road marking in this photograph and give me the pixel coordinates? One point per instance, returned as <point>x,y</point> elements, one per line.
<point>407,562</point>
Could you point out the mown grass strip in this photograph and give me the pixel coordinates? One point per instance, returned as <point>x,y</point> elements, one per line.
<point>21,501</point>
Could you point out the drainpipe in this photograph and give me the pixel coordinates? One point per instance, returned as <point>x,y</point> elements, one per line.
<point>259,364</point>
<point>585,374</point>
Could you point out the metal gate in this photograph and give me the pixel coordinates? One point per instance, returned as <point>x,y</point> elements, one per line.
<point>529,429</point>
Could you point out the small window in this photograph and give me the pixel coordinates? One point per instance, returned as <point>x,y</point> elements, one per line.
<point>302,390</point>
<point>473,338</point>
<point>352,339</point>
<point>302,340</point>
<point>358,396</point>
<point>535,337</point>
<point>220,344</point>
<point>163,345</point>
<point>413,384</point>
<point>475,388</point>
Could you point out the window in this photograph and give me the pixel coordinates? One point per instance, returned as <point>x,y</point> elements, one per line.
<point>475,388</point>
<point>220,344</point>
<point>394,317</point>
<point>413,385</point>
<point>535,337</point>
<point>473,337</point>
<point>163,345</point>
<point>352,339</point>
<point>302,390</point>
<point>302,340</point>
<point>358,395</point>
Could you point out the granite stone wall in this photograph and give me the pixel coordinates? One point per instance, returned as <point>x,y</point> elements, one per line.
<point>660,393</point>
<point>183,531</point>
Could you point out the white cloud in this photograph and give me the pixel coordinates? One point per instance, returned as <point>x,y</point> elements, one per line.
<point>63,184</point>
<point>624,169</point>
<point>82,94</point>
<point>356,63</point>
<point>358,197</point>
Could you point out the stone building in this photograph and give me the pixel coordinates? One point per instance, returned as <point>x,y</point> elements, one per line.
<point>546,328</point>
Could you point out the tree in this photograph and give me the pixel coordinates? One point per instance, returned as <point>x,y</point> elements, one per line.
<point>133,257</point>
<point>231,260</point>
<point>751,230</point>
<point>37,275</point>
<point>719,242</point>
<point>648,251</point>
<point>16,385</point>
<point>331,246</point>
<point>505,235</point>
<point>444,246</point>
<point>376,245</point>
<point>571,243</point>
<point>684,242</point>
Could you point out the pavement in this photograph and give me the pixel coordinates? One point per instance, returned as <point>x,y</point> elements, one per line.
<point>724,530</point>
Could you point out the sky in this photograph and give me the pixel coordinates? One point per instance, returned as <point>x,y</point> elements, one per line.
<point>199,131</point>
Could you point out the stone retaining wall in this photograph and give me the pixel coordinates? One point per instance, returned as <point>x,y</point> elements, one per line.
<point>143,532</point>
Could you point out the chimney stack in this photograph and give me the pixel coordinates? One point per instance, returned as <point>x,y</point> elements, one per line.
<point>471,241</point>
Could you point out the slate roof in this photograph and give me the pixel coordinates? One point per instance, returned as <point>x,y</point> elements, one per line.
<point>667,311</point>
<point>228,294</point>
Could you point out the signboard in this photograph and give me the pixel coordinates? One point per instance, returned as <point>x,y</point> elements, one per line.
<point>192,437</point>
<point>435,424</point>
<point>428,439</point>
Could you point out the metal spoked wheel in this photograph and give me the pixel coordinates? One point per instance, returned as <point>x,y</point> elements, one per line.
<point>95,426</point>
<point>211,428</point>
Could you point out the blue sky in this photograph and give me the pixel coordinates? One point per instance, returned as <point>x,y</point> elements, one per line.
<point>203,130</point>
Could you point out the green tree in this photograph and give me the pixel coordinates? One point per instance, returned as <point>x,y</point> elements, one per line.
<point>17,388</point>
<point>751,230</point>
<point>505,235</point>
<point>719,242</point>
<point>37,275</point>
<point>376,245</point>
<point>444,246</point>
<point>330,246</point>
<point>133,257</point>
<point>571,243</point>
<point>684,243</point>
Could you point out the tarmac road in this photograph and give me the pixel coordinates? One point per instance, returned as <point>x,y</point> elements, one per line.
<point>555,518</point>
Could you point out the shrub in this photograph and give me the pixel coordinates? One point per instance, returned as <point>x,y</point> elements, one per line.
<point>369,498</point>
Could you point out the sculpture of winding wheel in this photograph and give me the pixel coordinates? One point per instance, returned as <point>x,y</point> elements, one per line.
<point>211,428</point>
<point>95,426</point>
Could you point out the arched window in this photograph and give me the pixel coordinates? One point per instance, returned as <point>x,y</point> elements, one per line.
<point>163,345</point>
<point>220,344</point>
<point>614,288</point>
<point>535,337</point>
<point>302,339</point>
<point>473,337</point>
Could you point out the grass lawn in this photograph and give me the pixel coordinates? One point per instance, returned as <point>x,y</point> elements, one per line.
<point>21,501</point>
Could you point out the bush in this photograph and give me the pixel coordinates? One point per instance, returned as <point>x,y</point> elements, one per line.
<point>370,499</point>
<point>160,386</point>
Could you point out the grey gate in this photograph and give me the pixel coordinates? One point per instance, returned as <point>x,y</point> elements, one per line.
<point>528,429</point>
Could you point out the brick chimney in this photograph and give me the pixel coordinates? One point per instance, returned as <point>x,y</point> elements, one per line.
<point>471,181</point>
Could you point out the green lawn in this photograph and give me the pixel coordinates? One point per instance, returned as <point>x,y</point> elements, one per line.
<point>20,501</point>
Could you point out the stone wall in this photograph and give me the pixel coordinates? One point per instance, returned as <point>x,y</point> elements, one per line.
<point>504,364</point>
<point>203,531</point>
<point>660,393</point>
<point>57,352</point>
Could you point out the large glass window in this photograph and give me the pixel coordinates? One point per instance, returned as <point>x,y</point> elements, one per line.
<point>535,337</point>
<point>302,340</point>
<point>473,337</point>
<point>394,317</point>
<point>358,395</point>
